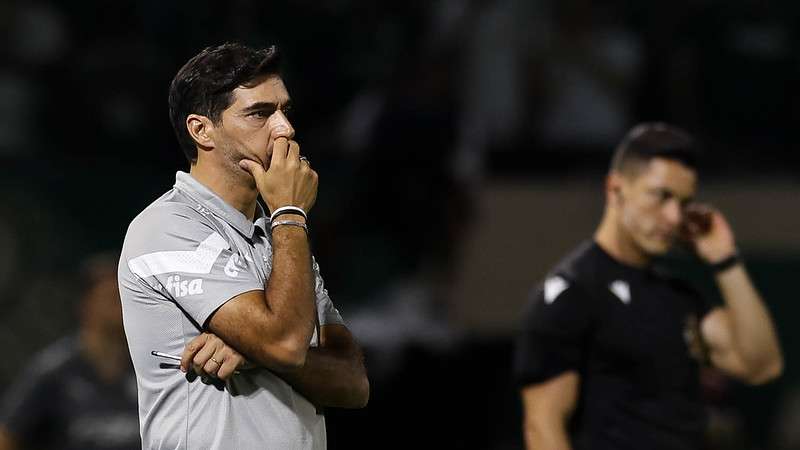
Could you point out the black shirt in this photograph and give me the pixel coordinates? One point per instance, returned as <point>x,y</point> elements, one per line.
<point>633,336</point>
<point>59,402</point>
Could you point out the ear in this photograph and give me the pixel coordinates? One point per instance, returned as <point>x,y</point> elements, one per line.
<point>201,129</point>
<point>614,185</point>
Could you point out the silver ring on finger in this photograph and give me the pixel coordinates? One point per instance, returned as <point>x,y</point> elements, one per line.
<point>303,158</point>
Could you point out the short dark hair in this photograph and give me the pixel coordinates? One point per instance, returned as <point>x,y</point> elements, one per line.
<point>650,140</point>
<point>204,85</point>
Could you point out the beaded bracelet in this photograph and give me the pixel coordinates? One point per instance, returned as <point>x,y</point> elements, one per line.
<point>293,223</point>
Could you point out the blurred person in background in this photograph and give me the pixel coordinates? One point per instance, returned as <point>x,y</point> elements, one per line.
<point>611,347</point>
<point>79,393</point>
<point>207,274</point>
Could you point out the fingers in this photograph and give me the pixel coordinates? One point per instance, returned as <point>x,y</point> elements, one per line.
<point>698,218</point>
<point>229,366</point>
<point>223,363</point>
<point>294,152</point>
<point>283,151</point>
<point>191,349</point>
<point>208,355</point>
<point>204,355</point>
<point>279,151</point>
<point>213,365</point>
<point>255,169</point>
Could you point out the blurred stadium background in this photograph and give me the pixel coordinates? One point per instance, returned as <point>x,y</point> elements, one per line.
<point>461,146</point>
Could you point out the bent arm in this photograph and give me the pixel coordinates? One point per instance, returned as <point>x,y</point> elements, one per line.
<point>334,374</point>
<point>273,327</point>
<point>547,407</point>
<point>741,336</point>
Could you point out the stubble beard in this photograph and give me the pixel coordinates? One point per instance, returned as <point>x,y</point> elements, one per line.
<point>231,157</point>
<point>636,237</point>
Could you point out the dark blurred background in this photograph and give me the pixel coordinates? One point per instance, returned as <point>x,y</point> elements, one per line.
<point>461,146</point>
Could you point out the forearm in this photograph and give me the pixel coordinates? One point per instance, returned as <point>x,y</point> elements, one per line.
<point>751,325</point>
<point>289,292</point>
<point>332,378</point>
<point>549,435</point>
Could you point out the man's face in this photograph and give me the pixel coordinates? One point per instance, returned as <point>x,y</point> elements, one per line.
<point>651,204</point>
<point>101,306</point>
<point>250,125</point>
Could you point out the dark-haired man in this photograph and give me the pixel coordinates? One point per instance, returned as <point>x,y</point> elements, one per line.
<point>80,392</point>
<point>610,349</point>
<point>207,274</point>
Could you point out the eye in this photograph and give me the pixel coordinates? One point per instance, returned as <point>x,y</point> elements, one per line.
<point>662,195</point>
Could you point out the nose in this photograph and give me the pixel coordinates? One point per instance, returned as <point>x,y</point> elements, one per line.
<point>673,213</point>
<point>280,126</point>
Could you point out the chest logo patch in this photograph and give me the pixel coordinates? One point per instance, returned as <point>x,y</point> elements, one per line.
<point>234,266</point>
<point>553,287</point>
<point>622,290</point>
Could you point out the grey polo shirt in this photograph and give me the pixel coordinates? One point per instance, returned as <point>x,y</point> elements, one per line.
<point>184,256</point>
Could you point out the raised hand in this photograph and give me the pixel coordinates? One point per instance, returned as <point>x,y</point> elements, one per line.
<point>288,181</point>
<point>709,232</point>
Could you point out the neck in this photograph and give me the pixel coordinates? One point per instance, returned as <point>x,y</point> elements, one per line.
<point>233,185</point>
<point>616,242</point>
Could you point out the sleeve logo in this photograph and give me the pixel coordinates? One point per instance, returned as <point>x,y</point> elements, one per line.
<point>622,290</point>
<point>553,287</point>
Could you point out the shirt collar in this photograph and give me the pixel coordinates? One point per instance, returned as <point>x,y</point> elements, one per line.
<point>217,206</point>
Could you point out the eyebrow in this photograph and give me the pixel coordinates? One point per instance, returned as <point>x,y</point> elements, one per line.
<point>267,106</point>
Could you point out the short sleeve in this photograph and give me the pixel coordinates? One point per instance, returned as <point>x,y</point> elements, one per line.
<point>327,312</point>
<point>179,257</point>
<point>556,325</point>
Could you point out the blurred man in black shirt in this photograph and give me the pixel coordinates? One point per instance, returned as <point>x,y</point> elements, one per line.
<point>80,392</point>
<point>610,349</point>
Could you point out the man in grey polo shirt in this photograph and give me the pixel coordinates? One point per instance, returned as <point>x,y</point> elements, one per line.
<point>208,275</point>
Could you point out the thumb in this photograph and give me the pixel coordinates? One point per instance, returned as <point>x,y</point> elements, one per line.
<point>253,168</point>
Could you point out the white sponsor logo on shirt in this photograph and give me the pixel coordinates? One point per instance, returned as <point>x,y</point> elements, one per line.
<point>182,288</point>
